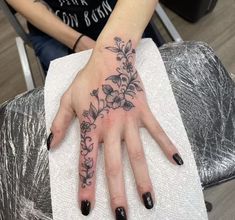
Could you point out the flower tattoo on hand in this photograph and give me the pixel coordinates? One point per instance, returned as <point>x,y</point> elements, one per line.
<point>118,91</point>
<point>115,99</point>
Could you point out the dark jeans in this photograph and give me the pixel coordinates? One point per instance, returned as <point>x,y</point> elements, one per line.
<point>47,49</point>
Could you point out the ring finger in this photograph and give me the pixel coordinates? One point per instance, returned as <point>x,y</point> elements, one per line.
<point>139,164</point>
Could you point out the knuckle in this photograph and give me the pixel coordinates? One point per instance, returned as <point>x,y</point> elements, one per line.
<point>160,133</point>
<point>137,155</point>
<point>113,170</point>
<point>56,129</point>
<point>117,200</point>
<point>166,144</point>
<point>144,186</point>
<point>171,149</point>
<point>109,121</point>
<point>64,99</point>
<point>161,137</point>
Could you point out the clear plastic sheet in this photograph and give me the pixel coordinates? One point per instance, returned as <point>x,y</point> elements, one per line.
<point>24,176</point>
<point>204,93</point>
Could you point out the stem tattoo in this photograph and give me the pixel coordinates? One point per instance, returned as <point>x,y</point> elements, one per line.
<point>118,88</point>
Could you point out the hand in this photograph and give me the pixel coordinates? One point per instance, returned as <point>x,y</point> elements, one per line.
<point>85,43</point>
<point>109,99</point>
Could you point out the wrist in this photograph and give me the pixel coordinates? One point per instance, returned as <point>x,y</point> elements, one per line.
<point>103,46</point>
<point>75,46</point>
<point>107,39</point>
<point>110,55</point>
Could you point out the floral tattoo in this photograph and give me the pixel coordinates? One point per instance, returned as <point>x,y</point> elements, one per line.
<point>118,88</point>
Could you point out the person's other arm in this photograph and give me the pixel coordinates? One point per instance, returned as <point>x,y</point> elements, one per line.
<point>42,18</point>
<point>128,21</point>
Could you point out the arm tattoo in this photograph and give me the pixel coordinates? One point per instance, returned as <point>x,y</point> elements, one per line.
<point>118,88</point>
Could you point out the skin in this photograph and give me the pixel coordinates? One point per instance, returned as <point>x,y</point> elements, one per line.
<point>119,124</point>
<point>33,10</point>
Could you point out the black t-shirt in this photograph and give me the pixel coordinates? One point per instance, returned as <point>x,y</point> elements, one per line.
<point>86,16</point>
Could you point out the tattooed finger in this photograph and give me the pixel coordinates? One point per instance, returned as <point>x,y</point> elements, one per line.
<point>87,168</point>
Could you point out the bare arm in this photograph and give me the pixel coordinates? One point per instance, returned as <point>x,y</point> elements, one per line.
<point>128,20</point>
<point>42,18</point>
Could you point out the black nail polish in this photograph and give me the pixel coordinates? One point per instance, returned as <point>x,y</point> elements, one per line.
<point>49,139</point>
<point>120,213</point>
<point>85,207</point>
<point>178,159</point>
<point>148,201</point>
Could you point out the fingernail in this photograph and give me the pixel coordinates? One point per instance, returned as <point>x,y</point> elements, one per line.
<point>49,139</point>
<point>120,213</point>
<point>148,201</point>
<point>85,207</point>
<point>178,159</point>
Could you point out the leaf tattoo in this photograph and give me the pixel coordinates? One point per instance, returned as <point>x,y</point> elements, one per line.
<point>107,89</point>
<point>118,88</point>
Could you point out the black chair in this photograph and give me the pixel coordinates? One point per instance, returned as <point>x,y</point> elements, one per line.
<point>22,41</point>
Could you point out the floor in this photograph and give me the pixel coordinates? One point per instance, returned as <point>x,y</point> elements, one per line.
<point>217,29</point>
<point>222,198</point>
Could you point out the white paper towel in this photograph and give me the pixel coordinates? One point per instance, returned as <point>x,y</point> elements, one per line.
<point>178,190</point>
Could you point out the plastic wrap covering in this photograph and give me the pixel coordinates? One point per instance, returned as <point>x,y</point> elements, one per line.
<point>205,95</point>
<point>24,176</point>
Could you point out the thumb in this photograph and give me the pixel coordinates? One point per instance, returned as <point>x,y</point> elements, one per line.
<point>61,121</point>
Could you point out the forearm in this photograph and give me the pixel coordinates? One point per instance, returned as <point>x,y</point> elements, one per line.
<point>38,14</point>
<point>128,21</point>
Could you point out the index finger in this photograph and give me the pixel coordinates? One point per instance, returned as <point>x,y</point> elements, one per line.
<point>87,168</point>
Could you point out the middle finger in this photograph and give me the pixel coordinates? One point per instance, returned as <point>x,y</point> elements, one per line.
<point>114,173</point>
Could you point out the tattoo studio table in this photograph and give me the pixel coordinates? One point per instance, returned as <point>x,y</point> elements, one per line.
<point>205,95</point>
